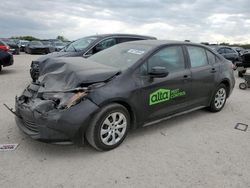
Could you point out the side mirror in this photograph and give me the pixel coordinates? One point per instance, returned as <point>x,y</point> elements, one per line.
<point>158,72</point>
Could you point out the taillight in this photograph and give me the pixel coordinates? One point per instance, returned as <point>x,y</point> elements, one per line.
<point>5,48</point>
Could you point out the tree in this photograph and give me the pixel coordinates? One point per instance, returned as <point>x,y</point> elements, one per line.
<point>62,38</point>
<point>29,38</point>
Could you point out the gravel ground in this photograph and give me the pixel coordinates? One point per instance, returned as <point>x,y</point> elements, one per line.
<point>200,149</point>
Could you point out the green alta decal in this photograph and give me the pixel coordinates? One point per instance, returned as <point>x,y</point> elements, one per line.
<point>162,95</point>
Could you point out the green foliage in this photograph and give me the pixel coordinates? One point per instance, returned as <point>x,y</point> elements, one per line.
<point>246,46</point>
<point>29,38</point>
<point>62,38</point>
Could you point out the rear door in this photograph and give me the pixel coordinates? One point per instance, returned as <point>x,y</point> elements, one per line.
<point>163,96</point>
<point>203,75</point>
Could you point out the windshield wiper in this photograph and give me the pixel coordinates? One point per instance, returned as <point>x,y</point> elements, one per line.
<point>74,48</point>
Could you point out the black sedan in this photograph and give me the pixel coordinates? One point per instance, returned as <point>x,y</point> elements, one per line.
<point>6,59</point>
<point>85,47</point>
<point>127,86</point>
<point>227,52</point>
<point>36,47</point>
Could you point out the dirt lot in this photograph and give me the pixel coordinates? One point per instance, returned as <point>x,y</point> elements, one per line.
<point>200,149</point>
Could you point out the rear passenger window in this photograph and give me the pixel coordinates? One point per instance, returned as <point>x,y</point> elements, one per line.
<point>221,51</point>
<point>171,58</point>
<point>211,57</point>
<point>197,56</point>
<point>229,51</point>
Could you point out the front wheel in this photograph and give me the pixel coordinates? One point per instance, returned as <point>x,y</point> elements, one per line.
<point>219,99</point>
<point>109,127</point>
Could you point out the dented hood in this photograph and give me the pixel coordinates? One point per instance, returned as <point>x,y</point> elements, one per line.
<point>71,72</point>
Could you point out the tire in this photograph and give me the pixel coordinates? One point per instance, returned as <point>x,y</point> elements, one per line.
<point>219,99</point>
<point>110,138</point>
<point>243,86</point>
<point>0,68</point>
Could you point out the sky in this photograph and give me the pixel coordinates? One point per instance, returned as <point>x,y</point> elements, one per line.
<point>211,21</point>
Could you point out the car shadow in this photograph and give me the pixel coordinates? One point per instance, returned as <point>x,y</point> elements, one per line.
<point>66,151</point>
<point>7,71</point>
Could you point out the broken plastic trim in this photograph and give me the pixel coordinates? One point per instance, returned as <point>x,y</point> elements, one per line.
<point>75,99</point>
<point>12,111</point>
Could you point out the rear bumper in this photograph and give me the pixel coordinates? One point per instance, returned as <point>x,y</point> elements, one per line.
<point>55,125</point>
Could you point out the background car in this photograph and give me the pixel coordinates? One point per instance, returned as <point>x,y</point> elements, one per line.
<point>127,86</point>
<point>6,59</point>
<point>238,49</point>
<point>48,45</point>
<point>14,48</point>
<point>36,47</point>
<point>227,52</point>
<point>87,46</point>
<point>22,44</point>
<point>242,66</point>
<point>58,46</point>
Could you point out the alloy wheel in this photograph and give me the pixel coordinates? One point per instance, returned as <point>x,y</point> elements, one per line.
<point>113,128</point>
<point>220,98</point>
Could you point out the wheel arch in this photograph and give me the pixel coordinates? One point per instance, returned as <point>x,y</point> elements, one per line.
<point>226,82</point>
<point>127,106</point>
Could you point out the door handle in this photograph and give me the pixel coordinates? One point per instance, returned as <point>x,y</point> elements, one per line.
<point>213,70</point>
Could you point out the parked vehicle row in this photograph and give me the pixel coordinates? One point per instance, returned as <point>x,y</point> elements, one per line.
<point>17,46</point>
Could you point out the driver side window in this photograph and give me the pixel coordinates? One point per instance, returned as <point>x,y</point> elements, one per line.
<point>171,58</point>
<point>104,45</point>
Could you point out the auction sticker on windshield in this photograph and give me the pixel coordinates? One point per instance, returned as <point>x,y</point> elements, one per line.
<point>137,52</point>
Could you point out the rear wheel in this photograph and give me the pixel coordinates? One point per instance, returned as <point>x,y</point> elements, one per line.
<point>243,86</point>
<point>0,68</point>
<point>219,99</point>
<point>109,127</point>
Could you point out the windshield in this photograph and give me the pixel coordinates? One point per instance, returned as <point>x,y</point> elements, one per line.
<point>59,44</point>
<point>23,42</point>
<point>46,42</point>
<point>121,56</point>
<point>36,43</point>
<point>79,44</point>
<point>213,47</point>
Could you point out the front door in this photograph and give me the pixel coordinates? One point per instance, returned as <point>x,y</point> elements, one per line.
<point>160,97</point>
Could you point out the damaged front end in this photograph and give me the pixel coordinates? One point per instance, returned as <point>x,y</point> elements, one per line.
<point>53,116</point>
<point>57,106</point>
